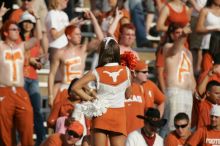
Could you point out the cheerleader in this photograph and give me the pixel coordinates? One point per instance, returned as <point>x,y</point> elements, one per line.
<point>107,108</point>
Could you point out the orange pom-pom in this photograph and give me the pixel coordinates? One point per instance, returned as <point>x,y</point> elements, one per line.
<point>128,59</point>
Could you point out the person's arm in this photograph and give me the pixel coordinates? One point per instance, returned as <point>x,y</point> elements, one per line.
<point>114,24</point>
<point>194,5</point>
<point>162,19</point>
<point>200,26</point>
<point>38,34</point>
<point>178,44</point>
<point>78,86</point>
<point>97,28</point>
<point>92,45</point>
<point>192,75</point>
<point>54,65</point>
<point>159,5</point>
<point>201,87</point>
<point>56,34</point>
<point>161,80</point>
<point>54,114</point>
<point>159,98</point>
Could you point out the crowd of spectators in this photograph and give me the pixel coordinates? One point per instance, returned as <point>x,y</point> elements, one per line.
<point>113,102</point>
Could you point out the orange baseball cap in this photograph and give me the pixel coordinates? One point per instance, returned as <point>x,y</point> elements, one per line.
<point>141,64</point>
<point>77,127</point>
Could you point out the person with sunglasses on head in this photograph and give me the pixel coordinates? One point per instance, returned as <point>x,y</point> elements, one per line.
<point>26,5</point>
<point>207,135</point>
<point>14,101</point>
<point>147,135</point>
<point>73,134</point>
<point>180,81</point>
<point>182,131</point>
<point>145,94</point>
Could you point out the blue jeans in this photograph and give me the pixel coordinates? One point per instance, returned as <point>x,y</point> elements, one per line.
<point>138,18</point>
<point>32,87</point>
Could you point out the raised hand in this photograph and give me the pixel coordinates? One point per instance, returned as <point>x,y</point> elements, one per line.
<point>3,10</point>
<point>119,14</point>
<point>187,30</point>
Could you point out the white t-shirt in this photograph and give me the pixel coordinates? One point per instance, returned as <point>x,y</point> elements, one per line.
<point>201,4</point>
<point>58,20</point>
<point>135,138</point>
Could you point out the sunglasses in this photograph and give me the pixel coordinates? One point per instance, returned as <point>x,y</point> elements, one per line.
<point>73,134</point>
<point>14,29</point>
<point>144,72</point>
<point>180,126</point>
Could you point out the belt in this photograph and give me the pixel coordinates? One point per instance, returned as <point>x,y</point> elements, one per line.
<point>13,88</point>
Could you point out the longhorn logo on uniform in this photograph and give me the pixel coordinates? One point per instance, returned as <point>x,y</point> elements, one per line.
<point>113,75</point>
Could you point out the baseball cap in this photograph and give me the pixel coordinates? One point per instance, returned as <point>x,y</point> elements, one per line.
<point>76,127</point>
<point>215,111</point>
<point>141,64</point>
<point>27,17</point>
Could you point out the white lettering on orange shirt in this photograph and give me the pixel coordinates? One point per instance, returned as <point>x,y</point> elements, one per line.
<point>184,67</point>
<point>134,99</point>
<point>213,141</point>
<point>13,58</point>
<point>72,69</point>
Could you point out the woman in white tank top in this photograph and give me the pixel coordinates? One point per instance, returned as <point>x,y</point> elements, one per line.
<point>209,21</point>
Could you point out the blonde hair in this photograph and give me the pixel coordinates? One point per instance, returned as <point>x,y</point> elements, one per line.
<point>53,4</point>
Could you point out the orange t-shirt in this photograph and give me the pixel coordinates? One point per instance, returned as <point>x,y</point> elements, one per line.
<point>144,96</point>
<point>173,139</point>
<point>136,105</point>
<point>63,108</point>
<point>29,70</point>
<point>202,116</point>
<point>16,15</point>
<point>54,140</point>
<point>152,94</point>
<point>207,62</point>
<point>61,95</point>
<point>205,137</point>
